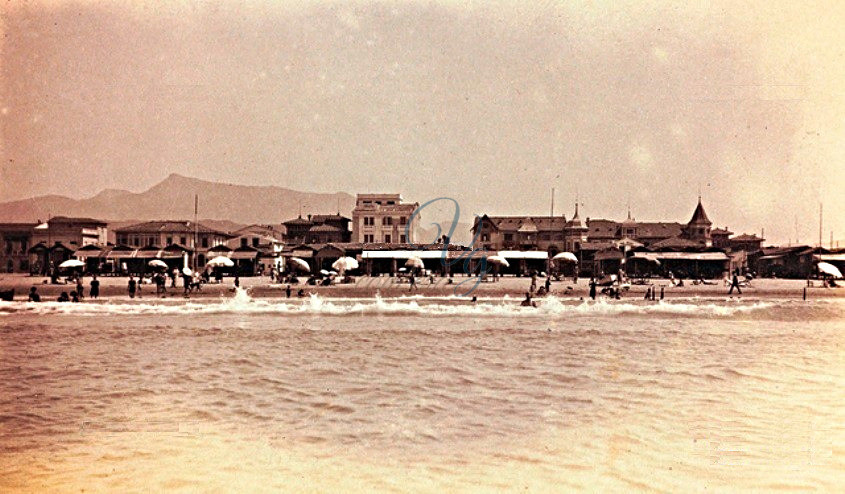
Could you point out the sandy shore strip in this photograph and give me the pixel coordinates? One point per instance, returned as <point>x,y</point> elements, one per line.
<point>364,287</point>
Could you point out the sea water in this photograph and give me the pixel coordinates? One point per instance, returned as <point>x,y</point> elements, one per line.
<point>422,394</point>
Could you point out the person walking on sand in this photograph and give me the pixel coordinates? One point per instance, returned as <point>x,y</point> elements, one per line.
<point>287,291</point>
<point>592,289</point>
<point>80,288</point>
<point>413,281</point>
<point>132,286</point>
<point>735,284</point>
<point>95,287</point>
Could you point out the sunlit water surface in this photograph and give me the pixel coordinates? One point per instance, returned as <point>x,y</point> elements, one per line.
<point>422,395</point>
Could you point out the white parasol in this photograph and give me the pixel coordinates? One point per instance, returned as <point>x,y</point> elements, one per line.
<point>565,256</point>
<point>829,269</point>
<point>498,260</point>
<point>220,262</point>
<point>300,264</point>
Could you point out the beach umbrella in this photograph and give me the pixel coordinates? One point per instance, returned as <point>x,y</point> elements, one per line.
<point>403,269</point>
<point>157,263</point>
<point>301,264</point>
<point>565,256</point>
<point>220,262</point>
<point>72,263</point>
<point>332,273</point>
<point>414,262</point>
<point>829,269</point>
<point>345,264</point>
<point>324,272</point>
<point>501,261</point>
<point>187,271</point>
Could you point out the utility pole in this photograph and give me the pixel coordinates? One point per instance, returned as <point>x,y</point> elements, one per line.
<point>820,224</point>
<point>196,227</point>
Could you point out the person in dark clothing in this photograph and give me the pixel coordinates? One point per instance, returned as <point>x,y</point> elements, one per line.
<point>735,284</point>
<point>527,302</point>
<point>95,287</point>
<point>237,281</point>
<point>80,289</point>
<point>186,283</point>
<point>548,284</point>
<point>287,291</point>
<point>413,281</point>
<point>33,295</point>
<point>300,293</point>
<point>63,297</point>
<point>74,297</point>
<point>592,289</point>
<point>132,287</point>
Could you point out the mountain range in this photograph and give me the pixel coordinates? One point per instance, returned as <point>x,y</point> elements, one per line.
<point>222,206</point>
<point>173,198</point>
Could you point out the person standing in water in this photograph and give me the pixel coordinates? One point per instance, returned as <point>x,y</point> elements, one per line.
<point>237,281</point>
<point>132,286</point>
<point>95,287</point>
<point>33,295</point>
<point>413,283</point>
<point>592,289</point>
<point>287,291</point>
<point>80,288</point>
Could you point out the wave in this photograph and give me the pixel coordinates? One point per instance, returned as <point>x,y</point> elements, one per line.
<point>547,307</point>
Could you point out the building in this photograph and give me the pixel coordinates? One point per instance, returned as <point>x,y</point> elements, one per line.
<point>194,238</point>
<point>319,228</point>
<point>383,218</point>
<point>494,233</point>
<point>15,241</point>
<point>71,232</point>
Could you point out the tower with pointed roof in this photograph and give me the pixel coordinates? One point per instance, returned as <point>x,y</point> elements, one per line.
<point>698,227</point>
<point>575,232</point>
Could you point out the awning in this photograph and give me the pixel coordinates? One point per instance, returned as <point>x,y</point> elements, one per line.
<point>523,254</point>
<point>243,255</point>
<point>681,256</point>
<point>401,254</point>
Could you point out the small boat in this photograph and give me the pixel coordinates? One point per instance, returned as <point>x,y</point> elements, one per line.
<point>7,295</point>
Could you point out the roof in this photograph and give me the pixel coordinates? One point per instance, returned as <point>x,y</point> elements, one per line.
<point>323,228</point>
<point>747,238</point>
<point>297,221</point>
<point>721,231</point>
<point>676,243</point>
<point>17,227</point>
<point>515,223</point>
<point>169,226</point>
<point>686,256</point>
<point>319,218</point>
<point>699,216</point>
<point>69,219</point>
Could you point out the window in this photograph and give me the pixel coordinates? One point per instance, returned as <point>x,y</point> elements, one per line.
<point>485,237</point>
<point>183,241</point>
<point>136,241</point>
<point>8,247</point>
<point>403,239</point>
<point>151,241</point>
<point>387,220</point>
<point>169,240</point>
<point>387,239</point>
<point>508,237</point>
<point>368,239</point>
<point>391,203</point>
<point>255,241</point>
<point>243,242</point>
<point>403,220</point>
<point>205,242</point>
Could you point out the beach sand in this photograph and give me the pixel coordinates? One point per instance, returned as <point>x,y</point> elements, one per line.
<point>260,287</point>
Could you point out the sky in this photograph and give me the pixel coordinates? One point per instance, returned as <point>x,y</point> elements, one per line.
<point>614,104</point>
